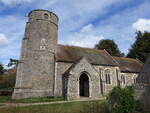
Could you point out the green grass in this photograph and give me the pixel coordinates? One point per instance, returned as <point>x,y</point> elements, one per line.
<point>72,107</point>
<point>7,99</point>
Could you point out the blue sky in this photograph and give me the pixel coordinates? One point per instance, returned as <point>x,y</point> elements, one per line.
<point>82,22</point>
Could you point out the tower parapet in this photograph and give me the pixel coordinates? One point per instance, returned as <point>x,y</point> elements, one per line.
<point>40,14</point>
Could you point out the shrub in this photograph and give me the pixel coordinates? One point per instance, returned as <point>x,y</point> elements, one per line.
<point>121,100</point>
<point>6,92</point>
<point>7,81</point>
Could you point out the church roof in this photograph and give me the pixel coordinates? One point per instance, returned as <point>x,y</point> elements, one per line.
<point>129,64</point>
<point>74,53</point>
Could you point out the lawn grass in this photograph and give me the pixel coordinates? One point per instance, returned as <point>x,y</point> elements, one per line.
<point>71,107</point>
<point>7,99</point>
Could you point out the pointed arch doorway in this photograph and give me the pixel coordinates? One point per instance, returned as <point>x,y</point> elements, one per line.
<point>84,85</point>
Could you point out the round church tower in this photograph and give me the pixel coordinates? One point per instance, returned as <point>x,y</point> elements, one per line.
<point>42,26</point>
<point>35,73</point>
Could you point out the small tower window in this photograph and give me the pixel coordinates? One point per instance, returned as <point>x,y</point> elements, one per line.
<point>46,16</point>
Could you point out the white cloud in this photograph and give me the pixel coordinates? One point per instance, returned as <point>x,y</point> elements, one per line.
<point>83,40</point>
<point>73,16</point>
<point>122,31</point>
<point>87,29</point>
<point>13,27</point>
<point>3,40</point>
<point>86,37</point>
<point>142,24</point>
<point>12,2</point>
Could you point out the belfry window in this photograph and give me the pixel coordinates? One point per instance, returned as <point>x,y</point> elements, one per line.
<point>107,76</point>
<point>46,16</point>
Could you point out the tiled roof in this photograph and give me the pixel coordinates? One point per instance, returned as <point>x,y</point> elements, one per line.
<point>129,64</point>
<point>94,56</point>
<point>97,57</point>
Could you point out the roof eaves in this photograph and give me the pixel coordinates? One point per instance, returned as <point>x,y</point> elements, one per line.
<point>103,64</point>
<point>129,71</point>
<point>139,61</point>
<point>90,63</point>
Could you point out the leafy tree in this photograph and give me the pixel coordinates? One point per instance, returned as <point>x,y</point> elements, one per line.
<point>13,62</point>
<point>110,46</point>
<point>121,100</point>
<point>141,47</point>
<point>1,68</point>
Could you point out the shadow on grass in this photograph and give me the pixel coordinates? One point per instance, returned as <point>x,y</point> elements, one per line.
<point>7,99</point>
<point>72,107</point>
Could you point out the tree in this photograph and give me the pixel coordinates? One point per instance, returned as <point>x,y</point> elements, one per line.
<point>110,46</point>
<point>141,47</point>
<point>1,68</point>
<point>13,62</point>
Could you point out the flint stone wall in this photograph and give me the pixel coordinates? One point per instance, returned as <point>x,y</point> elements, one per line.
<point>130,78</point>
<point>113,77</point>
<point>61,68</point>
<point>72,85</point>
<point>35,73</point>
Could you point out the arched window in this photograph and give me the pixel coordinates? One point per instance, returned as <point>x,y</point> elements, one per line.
<point>117,74</point>
<point>135,80</point>
<point>123,79</point>
<point>107,76</point>
<point>46,16</point>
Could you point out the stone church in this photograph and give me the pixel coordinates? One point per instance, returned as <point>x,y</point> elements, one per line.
<point>47,68</point>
